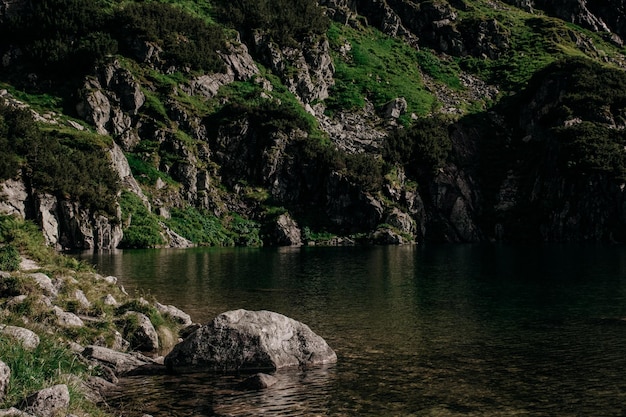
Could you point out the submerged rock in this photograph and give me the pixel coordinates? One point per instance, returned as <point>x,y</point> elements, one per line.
<point>257,382</point>
<point>242,340</point>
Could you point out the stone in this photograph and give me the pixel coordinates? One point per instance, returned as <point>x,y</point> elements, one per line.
<point>13,197</point>
<point>243,340</point>
<point>14,412</point>
<point>286,231</point>
<point>257,382</point>
<point>5,377</point>
<point>396,108</point>
<point>95,388</point>
<point>27,338</point>
<point>109,300</point>
<point>175,313</point>
<point>82,299</point>
<point>67,319</point>
<point>45,283</point>
<point>120,363</point>
<point>49,402</point>
<point>144,336</point>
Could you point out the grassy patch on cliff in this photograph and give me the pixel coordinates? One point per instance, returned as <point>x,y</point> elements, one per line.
<point>378,68</point>
<point>534,42</point>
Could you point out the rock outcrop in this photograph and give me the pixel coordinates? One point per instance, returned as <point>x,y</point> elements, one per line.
<point>243,340</point>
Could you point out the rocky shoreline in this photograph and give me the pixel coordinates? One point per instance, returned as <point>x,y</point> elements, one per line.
<point>108,334</point>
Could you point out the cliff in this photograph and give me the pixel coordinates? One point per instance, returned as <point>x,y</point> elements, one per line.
<point>332,122</point>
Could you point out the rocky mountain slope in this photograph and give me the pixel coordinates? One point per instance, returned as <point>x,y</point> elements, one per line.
<point>337,122</point>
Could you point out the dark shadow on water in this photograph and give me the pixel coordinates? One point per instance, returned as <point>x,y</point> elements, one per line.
<point>296,393</point>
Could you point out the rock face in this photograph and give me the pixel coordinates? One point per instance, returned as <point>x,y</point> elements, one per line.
<point>242,340</point>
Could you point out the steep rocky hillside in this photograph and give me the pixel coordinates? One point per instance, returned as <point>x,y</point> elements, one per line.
<point>172,123</point>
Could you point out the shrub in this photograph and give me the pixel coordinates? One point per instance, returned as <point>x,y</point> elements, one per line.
<point>9,258</point>
<point>286,21</point>
<point>187,41</point>
<point>141,227</point>
<point>422,148</point>
<point>592,148</point>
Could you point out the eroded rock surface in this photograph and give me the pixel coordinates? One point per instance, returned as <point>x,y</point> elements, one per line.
<point>243,340</point>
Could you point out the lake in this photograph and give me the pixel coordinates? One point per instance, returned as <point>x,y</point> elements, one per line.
<point>433,330</point>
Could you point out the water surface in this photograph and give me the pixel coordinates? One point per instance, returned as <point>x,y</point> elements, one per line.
<point>451,330</point>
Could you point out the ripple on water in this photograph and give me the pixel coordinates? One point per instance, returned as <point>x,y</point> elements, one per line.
<point>296,393</point>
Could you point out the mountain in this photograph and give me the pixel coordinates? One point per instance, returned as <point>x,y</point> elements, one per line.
<point>174,123</point>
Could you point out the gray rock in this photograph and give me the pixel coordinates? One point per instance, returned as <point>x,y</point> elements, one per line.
<point>27,338</point>
<point>14,412</point>
<point>286,231</point>
<point>45,283</point>
<point>67,319</point>
<point>120,363</point>
<point>82,299</point>
<point>396,108</point>
<point>242,340</point>
<point>175,313</point>
<point>95,388</point>
<point>49,402</point>
<point>257,382</point>
<point>5,377</point>
<point>144,336</point>
<point>13,197</point>
<point>109,300</point>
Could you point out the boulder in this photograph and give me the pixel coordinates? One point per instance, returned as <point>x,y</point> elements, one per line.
<point>242,340</point>
<point>5,377</point>
<point>48,402</point>
<point>27,338</point>
<point>286,232</point>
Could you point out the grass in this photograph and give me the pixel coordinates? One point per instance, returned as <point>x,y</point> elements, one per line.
<point>141,227</point>
<point>379,68</point>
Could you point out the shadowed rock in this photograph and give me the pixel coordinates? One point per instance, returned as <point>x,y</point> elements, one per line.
<point>257,382</point>
<point>243,340</point>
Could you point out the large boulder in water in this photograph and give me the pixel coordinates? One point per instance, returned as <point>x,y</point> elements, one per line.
<point>242,340</point>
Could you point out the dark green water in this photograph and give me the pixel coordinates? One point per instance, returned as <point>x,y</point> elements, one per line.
<point>481,330</point>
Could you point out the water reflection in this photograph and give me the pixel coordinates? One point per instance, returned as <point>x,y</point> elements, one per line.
<point>437,330</point>
<point>296,393</point>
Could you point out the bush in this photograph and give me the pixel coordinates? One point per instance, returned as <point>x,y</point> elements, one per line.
<point>286,21</point>
<point>70,164</point>
<point>9,258</point>
<point>592,148</point>
<point>141,228</point>
<point>422,148</point>
<point>186,40</point>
